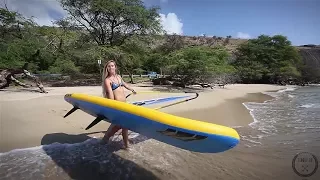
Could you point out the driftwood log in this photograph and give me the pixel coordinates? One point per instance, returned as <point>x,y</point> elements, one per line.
<point>7,76</point>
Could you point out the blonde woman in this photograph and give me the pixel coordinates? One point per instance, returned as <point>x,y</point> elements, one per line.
<point>113,88</point>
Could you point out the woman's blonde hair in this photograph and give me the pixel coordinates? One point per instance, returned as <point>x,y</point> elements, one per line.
<point>105,74</point>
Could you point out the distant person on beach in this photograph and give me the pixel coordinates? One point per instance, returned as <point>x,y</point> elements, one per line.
<point>113,88</point>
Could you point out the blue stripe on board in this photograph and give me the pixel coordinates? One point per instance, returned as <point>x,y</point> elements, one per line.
<point>160,100</point>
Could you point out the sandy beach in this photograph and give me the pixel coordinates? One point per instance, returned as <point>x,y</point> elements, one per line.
<point>28,116</point>
<point>61,148</point>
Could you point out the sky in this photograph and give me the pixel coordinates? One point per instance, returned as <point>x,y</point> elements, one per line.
<point>299,20</point>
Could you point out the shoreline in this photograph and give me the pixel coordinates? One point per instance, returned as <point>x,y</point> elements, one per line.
<point>232,112</point>
<point>29,117</point>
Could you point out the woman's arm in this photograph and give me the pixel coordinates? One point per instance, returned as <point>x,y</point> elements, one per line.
<point>127,86</point>
<point>108,89</point>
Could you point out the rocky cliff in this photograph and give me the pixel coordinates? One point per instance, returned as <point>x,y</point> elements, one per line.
<point>311,59</point>
<point>310,56</point>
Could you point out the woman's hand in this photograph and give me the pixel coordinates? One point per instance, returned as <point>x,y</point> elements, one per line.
<point>127,86</point>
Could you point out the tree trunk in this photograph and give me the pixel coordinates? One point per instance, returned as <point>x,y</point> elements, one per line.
<point>4,80</point>
<point>7,76</point>
<point>19,83</point>
<point>131,78</point>
<point>37,81</point>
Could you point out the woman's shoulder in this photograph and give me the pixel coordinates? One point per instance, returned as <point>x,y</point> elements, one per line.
<point>107,79</point>
<point>118,76</point>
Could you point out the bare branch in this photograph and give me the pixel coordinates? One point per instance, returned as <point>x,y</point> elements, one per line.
<point>19,83</point>
<point>36,79</point>
<point>5,5</point>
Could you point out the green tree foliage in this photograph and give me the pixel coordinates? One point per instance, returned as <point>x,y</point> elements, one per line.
<point>158,59</point>
<point>111,22</point>
<point>24,41</point>
<point>268,59</point>
<point>19,41</point>
<point>156,62</point>
<point>130,56</point>
<point>108,29</point>
<point>134,55</point>
<point>13,25</point>
<point>193,63</point>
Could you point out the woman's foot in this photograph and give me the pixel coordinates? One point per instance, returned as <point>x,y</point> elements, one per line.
<point>104,141</point>
<point>124,147</point>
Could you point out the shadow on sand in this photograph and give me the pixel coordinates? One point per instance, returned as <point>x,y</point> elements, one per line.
<point>83,157</point>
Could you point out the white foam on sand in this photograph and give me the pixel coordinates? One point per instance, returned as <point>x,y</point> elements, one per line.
<point>265,128</point>
<point>291,88</point>
<point>116,138</point>
<point>310,105</point>
<point>251,113</point>
<point>20,150</point>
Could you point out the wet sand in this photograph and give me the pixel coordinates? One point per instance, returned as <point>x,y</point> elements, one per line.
<point>231,112</point>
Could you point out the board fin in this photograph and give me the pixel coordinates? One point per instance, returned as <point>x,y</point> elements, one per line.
<point>96,121</point>
<point>71,111</point>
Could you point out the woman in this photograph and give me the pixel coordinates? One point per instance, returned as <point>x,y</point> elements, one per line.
<point>112,88</point>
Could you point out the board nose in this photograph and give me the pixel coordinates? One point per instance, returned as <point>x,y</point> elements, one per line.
<point>67,95</point>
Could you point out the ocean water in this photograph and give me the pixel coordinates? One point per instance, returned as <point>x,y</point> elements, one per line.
<point>282,127</point>
<point>291,118</point>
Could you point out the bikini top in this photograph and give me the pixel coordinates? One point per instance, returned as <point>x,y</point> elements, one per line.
<point>114,85</point>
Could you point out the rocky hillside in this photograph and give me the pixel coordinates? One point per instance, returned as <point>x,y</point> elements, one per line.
<point>229,42</point>
<point>310,52</point>
<point>176,41</point>
<point>311,58</point>
<point>310,55</point>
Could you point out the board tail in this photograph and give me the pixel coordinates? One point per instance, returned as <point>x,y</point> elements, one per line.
<point>96,121</point>
<point>93,123</point>
<point>71,111</point>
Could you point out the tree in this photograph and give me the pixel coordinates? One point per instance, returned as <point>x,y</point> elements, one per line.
<point>156,62</point>
<point>111,22</point>
<point>268,60</point>
<point>130,56</point>
<point>158,58</point>
<point>7,76</point>
<point>192,64</point>
<point>13,25</point>
<point>20,42</point>
<point>134,53</point>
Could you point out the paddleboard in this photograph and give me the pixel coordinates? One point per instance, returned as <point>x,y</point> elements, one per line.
<point>184,133</point>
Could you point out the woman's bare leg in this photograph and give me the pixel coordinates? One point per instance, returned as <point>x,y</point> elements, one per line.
<point>125,137</point>
<point>110,132</point>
